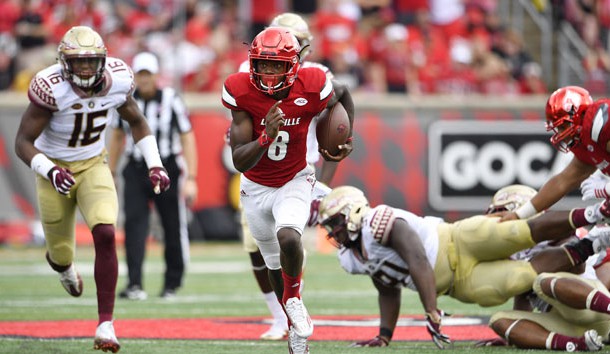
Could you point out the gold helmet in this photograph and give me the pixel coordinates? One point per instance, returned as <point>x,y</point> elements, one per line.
<point>81,43</point>
<point>298,27</point>
<point>343,209</point>
<point>510,198</point>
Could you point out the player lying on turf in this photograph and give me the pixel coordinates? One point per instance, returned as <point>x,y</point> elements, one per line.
<point>467,260</point>
<point>571,308</point>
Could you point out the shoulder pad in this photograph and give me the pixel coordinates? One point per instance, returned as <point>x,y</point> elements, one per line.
<point>40,93</point>
<point>381,223</point>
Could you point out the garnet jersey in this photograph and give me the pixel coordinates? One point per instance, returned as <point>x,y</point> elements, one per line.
<point>285,156</point>
<point>312,142</point>
<point>383,263</point>
<point>77,128</point>
<point>594,137</point>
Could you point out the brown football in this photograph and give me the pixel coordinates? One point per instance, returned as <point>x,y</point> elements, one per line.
<point>333,129</point>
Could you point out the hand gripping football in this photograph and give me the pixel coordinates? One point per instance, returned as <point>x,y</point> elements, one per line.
<point>333,128</point>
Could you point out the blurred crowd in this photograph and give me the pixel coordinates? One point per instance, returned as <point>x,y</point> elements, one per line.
<point>402,46</point>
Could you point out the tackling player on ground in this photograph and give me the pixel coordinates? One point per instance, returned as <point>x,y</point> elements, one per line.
<point>571,307</point>
<point>61,137</point>
<point>467,260</point>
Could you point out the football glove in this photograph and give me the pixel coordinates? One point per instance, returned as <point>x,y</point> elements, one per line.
<point>433,326</point>
<point>313,212</point>
<point>595,186</point>
<point>159,179</point>
<point>598,213</point>
<point>61,179</point>
<point>375,342</point>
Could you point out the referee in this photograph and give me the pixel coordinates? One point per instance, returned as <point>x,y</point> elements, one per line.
<point>168,119</point>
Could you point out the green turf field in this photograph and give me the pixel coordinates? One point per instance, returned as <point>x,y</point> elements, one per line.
<point>219,283</point>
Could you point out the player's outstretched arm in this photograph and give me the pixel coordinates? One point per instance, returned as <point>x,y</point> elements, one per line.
<point>554,189</point>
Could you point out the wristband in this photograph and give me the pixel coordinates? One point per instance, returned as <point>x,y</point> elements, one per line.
<point>264,140</point>
<point>526,210</point>
<point>41,165</point>
<point>149,149</point>
<point>385,332</point>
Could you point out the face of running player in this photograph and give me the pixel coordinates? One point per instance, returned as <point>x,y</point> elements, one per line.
<point>271,73</point>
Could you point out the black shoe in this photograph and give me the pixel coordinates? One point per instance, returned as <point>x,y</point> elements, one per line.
<point>168,294</point>
<point>133,292</point>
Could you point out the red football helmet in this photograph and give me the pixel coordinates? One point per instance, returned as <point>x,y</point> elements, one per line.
<point>277,45</point>
<point>564,112</point>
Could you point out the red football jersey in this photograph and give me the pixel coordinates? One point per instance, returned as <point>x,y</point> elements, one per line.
<point>286,154</point>
<point>594,137</point>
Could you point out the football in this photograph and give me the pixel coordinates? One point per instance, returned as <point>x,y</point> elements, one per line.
<point>333,128</point>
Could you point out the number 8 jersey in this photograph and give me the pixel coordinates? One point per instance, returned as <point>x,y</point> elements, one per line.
<point>77,129</point>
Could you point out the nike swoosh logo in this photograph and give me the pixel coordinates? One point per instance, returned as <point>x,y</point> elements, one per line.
<point>105,104</point>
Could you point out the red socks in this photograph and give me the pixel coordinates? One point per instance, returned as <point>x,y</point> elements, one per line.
<point>106,270</point>
<point>570,344</point>
<point>600,303</point>
<point>291,286</point>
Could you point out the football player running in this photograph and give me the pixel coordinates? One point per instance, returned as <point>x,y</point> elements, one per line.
<point>467,260</point>
<point>61,137</point>
<point>279,327</point>
<point>579,125</point>
<point>272,108</point>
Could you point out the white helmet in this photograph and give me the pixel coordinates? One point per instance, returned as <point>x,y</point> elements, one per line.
<point>82,43</point>
<point>298,27</point>
<point>511,197</point>
<point>343,208</point>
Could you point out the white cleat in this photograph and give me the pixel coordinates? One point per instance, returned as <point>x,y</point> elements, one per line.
<point>105,339</point>
<point>277,331</point>
<point>72,281</point>
<point>296,343</point>
<point>593,340</point>
<point>299,317</point>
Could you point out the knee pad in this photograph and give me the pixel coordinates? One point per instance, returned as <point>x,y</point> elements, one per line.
<point>273,261</point>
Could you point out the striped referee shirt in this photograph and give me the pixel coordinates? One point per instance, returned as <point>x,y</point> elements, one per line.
<point>167,117</point>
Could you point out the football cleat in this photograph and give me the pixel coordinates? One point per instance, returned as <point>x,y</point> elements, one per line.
<point>296,343</point>
<point>277,331</point>
<point>593,340</point>
<point>105,339</point>
<point>71,281</point>
<point>299,317</point>
<point>133,292</point>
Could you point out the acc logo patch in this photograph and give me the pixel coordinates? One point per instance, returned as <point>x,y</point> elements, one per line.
<point>300,101</point>
<point>77,106</point>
